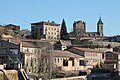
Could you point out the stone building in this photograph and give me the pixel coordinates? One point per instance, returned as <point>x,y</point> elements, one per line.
<point>67,61</point>
<point>12,27</point>
<point>111,60</point>
<point>92,57</point>
<point>79,30</point>
<point>45,30</point>
<point>9,54</point>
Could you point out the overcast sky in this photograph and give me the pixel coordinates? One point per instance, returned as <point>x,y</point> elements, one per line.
<point>24,12</point>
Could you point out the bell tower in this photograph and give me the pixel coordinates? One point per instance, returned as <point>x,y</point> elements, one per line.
<point>100,27</point>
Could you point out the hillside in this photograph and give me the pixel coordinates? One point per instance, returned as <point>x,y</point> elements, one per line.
<point>12,31</point>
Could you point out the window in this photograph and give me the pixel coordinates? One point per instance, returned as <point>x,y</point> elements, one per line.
<point>45,29</point>
<point>35,60</point>
<point>54,37</point>
<point>58,60</point>
<point>65,62</point>
<point>48,37</point>
<point>51,37</point>
<point>81,62</point>
<point>55,60</point>
<point>14,51</point>
<point>102,56</point>
<point>57,30</point>
<point>110,55</point>
<point>48,32</point>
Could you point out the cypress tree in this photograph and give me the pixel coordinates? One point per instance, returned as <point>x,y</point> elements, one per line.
<point>63,32</point>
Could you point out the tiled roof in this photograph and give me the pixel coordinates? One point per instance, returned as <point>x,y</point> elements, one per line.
<point>59,53</point>
<point>66,43</point>
<point>24,44</point>
<point>113,52</point>
<point>87,49</point>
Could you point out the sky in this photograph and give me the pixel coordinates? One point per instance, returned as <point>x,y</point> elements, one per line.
<point>24,12</point>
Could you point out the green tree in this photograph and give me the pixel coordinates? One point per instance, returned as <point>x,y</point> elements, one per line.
<point>63,32</point>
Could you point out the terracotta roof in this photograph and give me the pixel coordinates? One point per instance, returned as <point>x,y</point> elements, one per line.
<point>59,53</point>
<point>87,50</point>
<point>24,44</point>
<point>113,52</point>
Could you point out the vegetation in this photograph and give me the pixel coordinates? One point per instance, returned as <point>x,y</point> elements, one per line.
<point>44,59</point>
<point>63,32</point>
<point>14,31</point>
<point>86,44</point>
<point>108,46</point>
<point>63,74</point>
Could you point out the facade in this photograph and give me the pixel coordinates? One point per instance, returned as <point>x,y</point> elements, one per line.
<point>9,54</point>
<point>28,56</point>
<point>79,30</point>
<point>111,60</point>
<point>45,30</point>
<point>118,65</point>
<point>67,61</point>
<point>28,53</point>
<point>32,54</point>
<point>92,57</point>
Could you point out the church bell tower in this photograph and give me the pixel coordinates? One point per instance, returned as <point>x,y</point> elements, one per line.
<point>100,27</point>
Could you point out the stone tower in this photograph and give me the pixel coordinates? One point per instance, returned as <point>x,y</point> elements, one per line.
<point>79,26</point>
<point>100,27</point>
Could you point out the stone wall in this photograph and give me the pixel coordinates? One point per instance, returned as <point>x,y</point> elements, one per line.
<point>8,75</point>
<point>71,78</point>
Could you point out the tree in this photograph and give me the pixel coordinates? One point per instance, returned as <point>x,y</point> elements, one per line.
<point>109,46</point>
<point>63,32</point>
<point>44,59</point>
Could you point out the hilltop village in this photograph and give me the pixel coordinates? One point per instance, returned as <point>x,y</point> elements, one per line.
<point>48,51</point>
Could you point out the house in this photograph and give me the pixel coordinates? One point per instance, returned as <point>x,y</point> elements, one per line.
<point>92,57</point>
<point>111,60</point>
<point>62,45</point>
<point>28,51</point>
<point>45,30</point>
<point>9,54</point>
<point>67,61</point>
